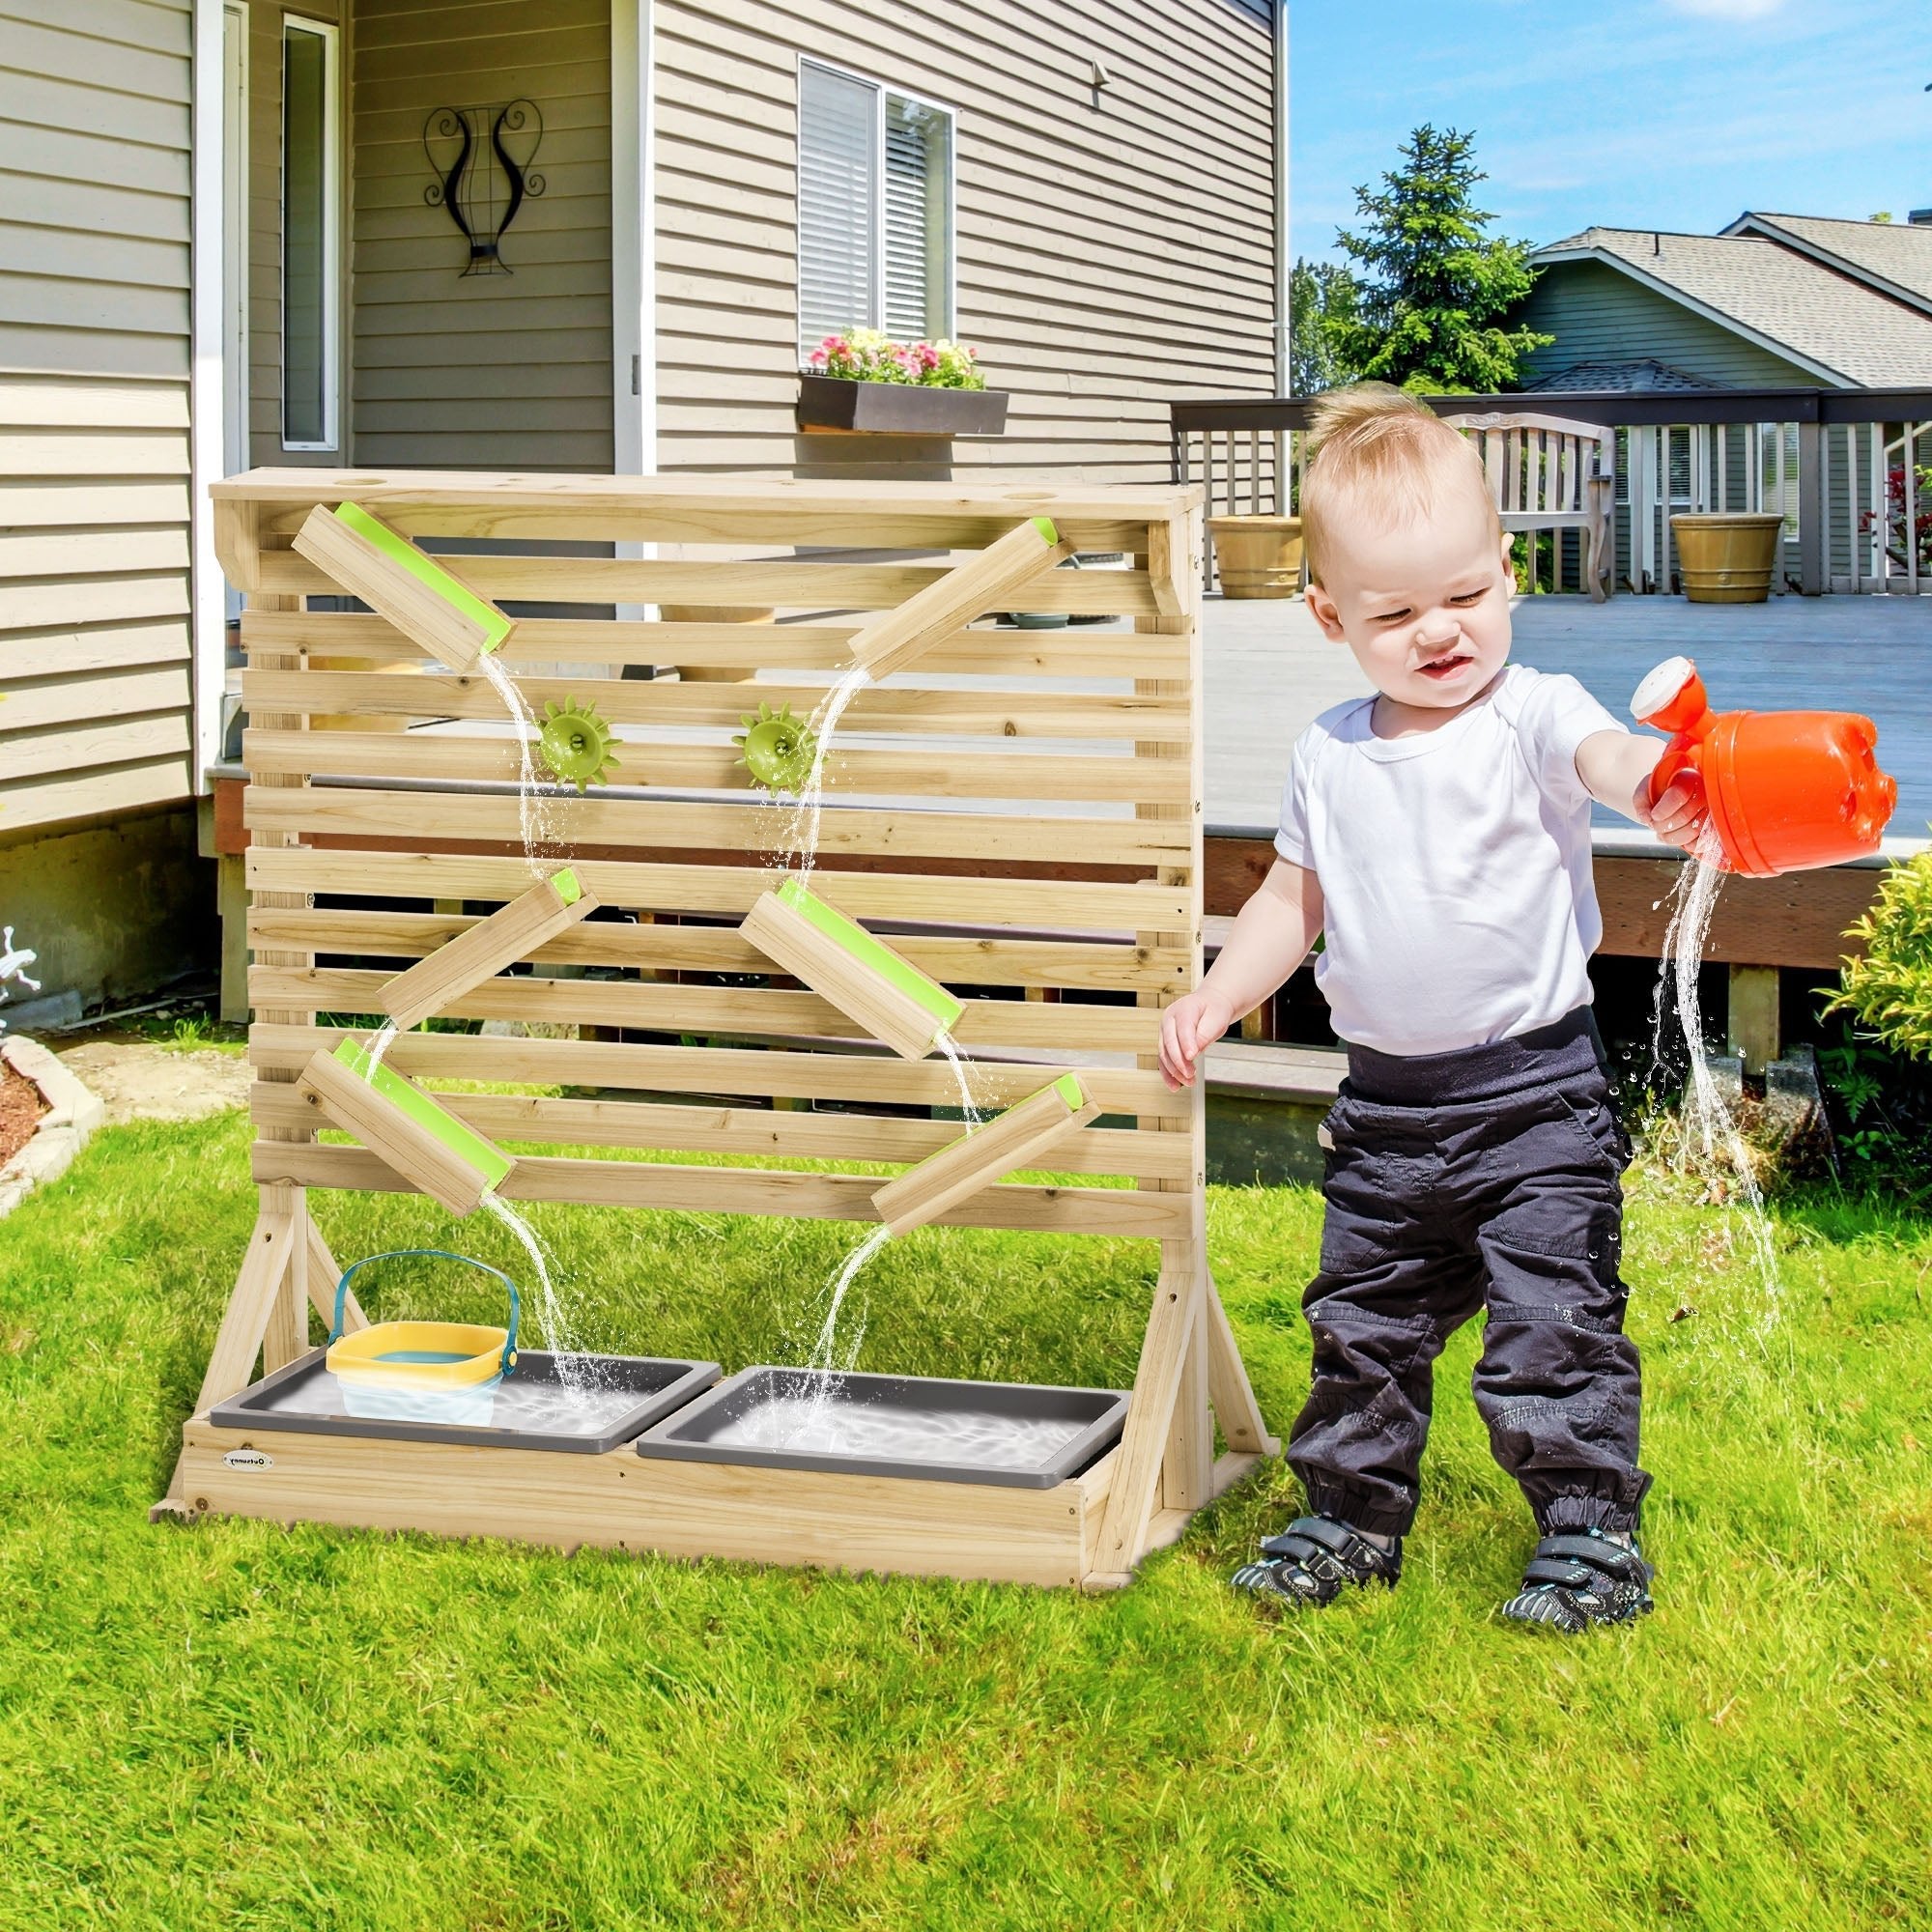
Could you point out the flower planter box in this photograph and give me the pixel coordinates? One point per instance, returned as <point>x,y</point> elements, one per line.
<point>829,404</point>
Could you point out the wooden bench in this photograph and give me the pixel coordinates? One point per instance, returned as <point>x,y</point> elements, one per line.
<point>1549,475</point>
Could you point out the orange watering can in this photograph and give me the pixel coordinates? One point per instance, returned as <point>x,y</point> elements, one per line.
<point>1786,789</point>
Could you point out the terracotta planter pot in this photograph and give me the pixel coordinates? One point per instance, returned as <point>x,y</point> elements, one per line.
<point>716,613</point>
<point>1257,557</point>
<point>1727,556</point>
<point>830,405</point>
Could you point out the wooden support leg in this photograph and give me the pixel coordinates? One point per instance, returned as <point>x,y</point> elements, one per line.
<point>1151,1411</point>
<point>323,1275</point>
<point>246,1321</point>
<point>1228,1388</point>
<point>1753,1029</point>
<point>285,1337</point>
<point>1187,1465</point>
<point>251,1313</point>
<point>231,899</point>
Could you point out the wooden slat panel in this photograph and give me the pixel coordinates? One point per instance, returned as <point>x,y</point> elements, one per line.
<point>592,821</point>
<point>1000,714</point>
<point>710,509</point>
<point>661,1009</point>
<point>1090,778</point>
<point>771,1132</point>
<point>729,891</point>
<point>1117,1212</point>
<point>871,1079</point>
<point>784,586</point>
<point>716,948</point>
<point>544,640</point>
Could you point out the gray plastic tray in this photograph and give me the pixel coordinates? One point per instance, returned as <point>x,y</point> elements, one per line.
<point>1006,1433</point>
<point>632,1392</point>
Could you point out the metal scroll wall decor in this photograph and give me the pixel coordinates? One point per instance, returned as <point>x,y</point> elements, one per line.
<point>482,158</point>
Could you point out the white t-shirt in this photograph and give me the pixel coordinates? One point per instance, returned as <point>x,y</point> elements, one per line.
<point>1455,865</point>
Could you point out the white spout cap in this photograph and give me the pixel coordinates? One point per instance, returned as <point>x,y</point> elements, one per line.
<point>1659,687</point>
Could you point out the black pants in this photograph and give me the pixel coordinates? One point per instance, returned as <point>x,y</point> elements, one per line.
<point>1484,1178</point>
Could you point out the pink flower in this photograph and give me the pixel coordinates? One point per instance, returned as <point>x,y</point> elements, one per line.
<point>817,358</point>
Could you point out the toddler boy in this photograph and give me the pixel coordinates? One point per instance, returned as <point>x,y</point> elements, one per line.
<point>1438,835</point>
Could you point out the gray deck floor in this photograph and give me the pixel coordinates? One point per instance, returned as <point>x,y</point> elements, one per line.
<point>1269,672</point>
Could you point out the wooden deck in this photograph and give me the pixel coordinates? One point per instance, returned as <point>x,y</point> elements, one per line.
<point>1271,672</point>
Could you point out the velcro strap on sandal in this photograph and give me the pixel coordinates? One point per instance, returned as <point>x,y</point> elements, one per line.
<point>1337,1538</point>
<point>1565,1576</point>
<point>1572,1560</point>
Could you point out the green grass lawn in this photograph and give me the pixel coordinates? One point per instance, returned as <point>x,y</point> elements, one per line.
<point>236,1725</point>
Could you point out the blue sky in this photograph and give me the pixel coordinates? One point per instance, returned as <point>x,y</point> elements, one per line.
<point>1673,114</point>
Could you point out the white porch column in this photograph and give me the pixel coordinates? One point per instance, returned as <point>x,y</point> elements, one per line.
<point>633,242</point>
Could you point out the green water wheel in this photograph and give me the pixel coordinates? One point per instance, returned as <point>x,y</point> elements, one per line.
<point>576,744</point>
<point>777,748</point>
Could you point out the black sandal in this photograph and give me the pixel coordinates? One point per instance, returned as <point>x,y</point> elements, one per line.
<point>1582,1577</point>
<point>1314,1559</point>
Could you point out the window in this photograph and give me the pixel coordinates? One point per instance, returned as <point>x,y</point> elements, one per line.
<point>874,210</point>
<point>311,235</point>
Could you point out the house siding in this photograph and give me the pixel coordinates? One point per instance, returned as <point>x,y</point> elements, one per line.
<point>94,410</point>
<point>1114,247</point>
<point>498,372</point>
<point>1598,314</point>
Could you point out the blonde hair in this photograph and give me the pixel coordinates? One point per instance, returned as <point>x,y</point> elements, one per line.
<point>1375,448</point>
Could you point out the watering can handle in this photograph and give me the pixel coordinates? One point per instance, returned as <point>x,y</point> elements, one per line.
<point>434,1254</point>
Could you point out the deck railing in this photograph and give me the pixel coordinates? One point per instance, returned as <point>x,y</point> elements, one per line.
<point>1850,470</point>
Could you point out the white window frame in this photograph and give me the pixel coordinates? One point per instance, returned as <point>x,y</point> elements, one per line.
<point>332,231</point>
<point>950,254</point>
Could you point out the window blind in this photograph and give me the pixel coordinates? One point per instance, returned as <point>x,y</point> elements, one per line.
<point>838,204</point>
<point>915,220</point>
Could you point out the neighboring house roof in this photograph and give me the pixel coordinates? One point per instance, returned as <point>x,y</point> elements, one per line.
<point>1893,257</point>
<point>1843,331</point>
<point>1647,377</point>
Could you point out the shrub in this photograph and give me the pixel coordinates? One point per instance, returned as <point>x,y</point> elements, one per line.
<point>869,355</point>
<point>1889,992</point>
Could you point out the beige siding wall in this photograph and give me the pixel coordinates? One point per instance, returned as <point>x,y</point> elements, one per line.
<point>1115,249</point>
<point>501,372</point>
<point>93,408</point>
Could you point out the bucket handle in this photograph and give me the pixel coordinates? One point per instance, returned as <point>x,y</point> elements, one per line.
<point>434,1254</point>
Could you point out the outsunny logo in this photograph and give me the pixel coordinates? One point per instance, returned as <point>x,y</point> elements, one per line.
<point>249,1459</point>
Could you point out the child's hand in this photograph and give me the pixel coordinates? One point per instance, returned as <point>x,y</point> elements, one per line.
<point>1679,816</point>
<point>1187,1029</point>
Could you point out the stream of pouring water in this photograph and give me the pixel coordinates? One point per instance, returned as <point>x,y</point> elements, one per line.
<point>958,1061</point>
<point>1707,1121</point>
<point>572,1372</point>
<point>531,819</point>
<point>800,834</point>
<point>828,1360</point>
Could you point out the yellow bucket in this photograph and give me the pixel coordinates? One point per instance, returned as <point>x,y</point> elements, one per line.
<point>463,1361</point>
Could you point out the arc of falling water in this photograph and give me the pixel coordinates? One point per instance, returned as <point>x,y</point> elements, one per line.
<point>531,820</point>
<point>1706,1116</point>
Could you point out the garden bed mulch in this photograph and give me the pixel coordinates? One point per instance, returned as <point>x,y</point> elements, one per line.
<point>20,1107</point>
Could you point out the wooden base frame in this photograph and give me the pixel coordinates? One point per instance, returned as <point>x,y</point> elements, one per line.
<point>1128,919</point>
<point>622,1500</point>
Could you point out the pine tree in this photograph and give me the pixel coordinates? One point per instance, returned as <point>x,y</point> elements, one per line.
<point>1321,302</point>
<point>1435,291</point>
